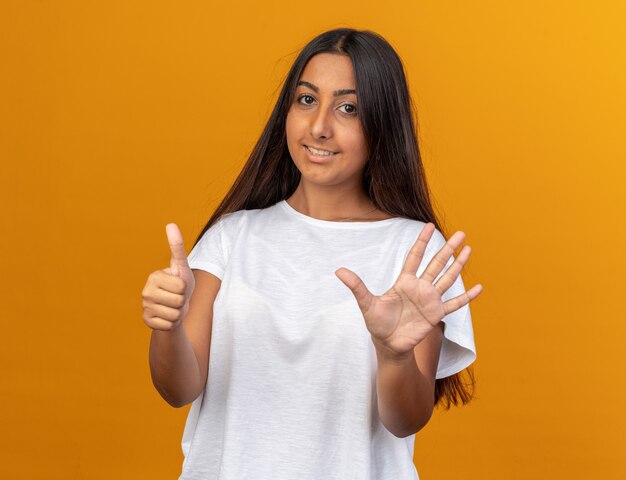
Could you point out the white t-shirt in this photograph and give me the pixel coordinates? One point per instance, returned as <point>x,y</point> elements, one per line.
<point>291,391</point>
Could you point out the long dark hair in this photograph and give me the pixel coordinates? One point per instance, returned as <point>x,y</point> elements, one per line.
<point>394,176</point>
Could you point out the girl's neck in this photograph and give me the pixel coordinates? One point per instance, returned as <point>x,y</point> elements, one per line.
<point>335,205</point>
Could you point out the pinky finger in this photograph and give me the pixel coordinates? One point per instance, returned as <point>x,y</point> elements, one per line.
<point>455,303</point>
<point>157,323</point>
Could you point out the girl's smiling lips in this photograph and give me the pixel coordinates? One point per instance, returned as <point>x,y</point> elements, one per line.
<point>319,151</point>
<point>315,158</point>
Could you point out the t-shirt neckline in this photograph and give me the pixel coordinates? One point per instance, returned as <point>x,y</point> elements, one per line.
<point>333,224</point>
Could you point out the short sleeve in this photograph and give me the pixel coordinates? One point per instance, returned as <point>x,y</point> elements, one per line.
<point>458,350</point>
<point>209,254</point>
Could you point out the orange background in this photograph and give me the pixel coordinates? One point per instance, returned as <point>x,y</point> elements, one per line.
<point>118,117</point>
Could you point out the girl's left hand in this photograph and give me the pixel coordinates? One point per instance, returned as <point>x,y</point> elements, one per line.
<point>406,313</point>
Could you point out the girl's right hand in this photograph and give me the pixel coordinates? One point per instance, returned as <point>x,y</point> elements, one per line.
<point>167,292</point>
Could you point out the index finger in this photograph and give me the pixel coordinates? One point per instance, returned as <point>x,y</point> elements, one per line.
<point>414,258</point>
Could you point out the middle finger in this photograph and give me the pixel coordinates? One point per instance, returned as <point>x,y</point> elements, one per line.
<point>439,261</point>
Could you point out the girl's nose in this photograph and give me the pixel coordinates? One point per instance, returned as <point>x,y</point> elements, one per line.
<point>321,124</point>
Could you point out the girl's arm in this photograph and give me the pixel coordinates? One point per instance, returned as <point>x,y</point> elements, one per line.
<point>179,358</point>
<point>406,324</point>
<point>406,385</point>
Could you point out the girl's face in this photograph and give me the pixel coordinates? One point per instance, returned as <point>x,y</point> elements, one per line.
<point>324,133</point>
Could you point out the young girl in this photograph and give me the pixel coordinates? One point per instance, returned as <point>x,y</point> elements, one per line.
<point>320,315</point>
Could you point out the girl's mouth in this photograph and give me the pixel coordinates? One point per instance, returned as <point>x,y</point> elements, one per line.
<point>319,153</point>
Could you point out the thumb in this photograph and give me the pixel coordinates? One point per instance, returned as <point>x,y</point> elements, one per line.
<point>351,280</point>
<point>178,259</point>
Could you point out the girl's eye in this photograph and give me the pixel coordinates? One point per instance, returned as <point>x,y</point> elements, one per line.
<point>351,109</point>
<point>309,100</point>
<point>306,99</point>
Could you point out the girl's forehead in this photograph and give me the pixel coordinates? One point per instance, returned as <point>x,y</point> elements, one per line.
<point>328,70</point>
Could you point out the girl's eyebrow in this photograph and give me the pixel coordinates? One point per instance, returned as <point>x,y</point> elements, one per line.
<point>336,93</point>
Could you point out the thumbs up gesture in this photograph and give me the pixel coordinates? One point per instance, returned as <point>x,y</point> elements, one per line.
<point>166,293</point>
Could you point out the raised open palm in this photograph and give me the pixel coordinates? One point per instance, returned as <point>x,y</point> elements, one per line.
<point>405,314</point>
